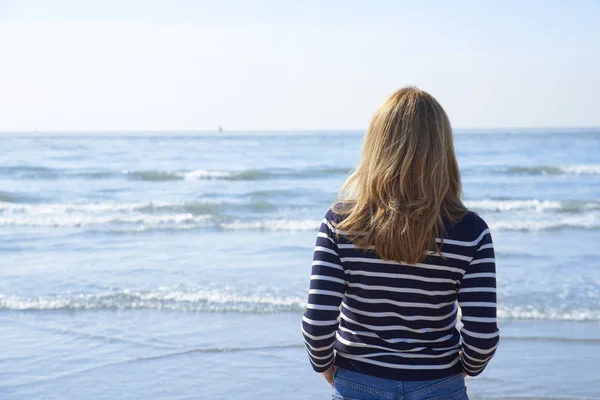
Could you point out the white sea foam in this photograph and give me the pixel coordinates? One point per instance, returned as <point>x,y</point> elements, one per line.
<point>520,215</point>
<point>176,299</point>
<point>548,313</point>
<point>180,221</point>
<point>538,206</point>
<point>95,215</point>
<point>584,169</point>
<point>589,220</point>
<point>482,205</point>
<point>274,225</point>
<point>161,299</point>
<point>142,214</point>
<point>67,208</point>
<point>579,221</point>
<point>205,174</point>
<point>581,169</point>
<point>198,174</point>
<point>512,205</point>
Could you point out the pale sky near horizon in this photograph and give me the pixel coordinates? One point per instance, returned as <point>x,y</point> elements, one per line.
<point>195,65</point>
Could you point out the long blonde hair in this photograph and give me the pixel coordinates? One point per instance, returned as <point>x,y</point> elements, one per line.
<point>407,183</point>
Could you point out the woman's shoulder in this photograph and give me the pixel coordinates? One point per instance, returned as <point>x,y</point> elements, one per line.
<point>469,228</point>
<point>474,220</point>
<point>337,211</point>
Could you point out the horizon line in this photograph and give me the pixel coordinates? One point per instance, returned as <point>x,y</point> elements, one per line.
<point>288,130</point>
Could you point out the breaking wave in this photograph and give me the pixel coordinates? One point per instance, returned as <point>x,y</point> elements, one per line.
<point>243,175</point>
<point>162,299</point>
<point>555,170</point>
<point>273,225</point>
<point>548,313</point>
<point>588,221</point>
<point>220,301</point>
<point>539,206</point>
<point>39,172</point>
<point>256,213</point>
<point>42,172</point>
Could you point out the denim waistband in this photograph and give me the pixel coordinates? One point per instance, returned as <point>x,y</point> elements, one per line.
<point>395,390</point>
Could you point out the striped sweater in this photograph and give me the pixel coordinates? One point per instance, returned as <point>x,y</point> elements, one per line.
<point>398,321</point>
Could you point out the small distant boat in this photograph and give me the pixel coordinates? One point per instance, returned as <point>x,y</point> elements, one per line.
<point>220,129</point>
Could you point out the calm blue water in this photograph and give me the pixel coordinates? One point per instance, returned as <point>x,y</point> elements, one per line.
<point>176,267</point>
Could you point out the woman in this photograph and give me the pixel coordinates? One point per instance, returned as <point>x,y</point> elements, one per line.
<point>393,257</point>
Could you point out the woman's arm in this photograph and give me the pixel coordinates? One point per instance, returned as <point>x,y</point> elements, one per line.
<point>477,300</point>
<point>327,287</point>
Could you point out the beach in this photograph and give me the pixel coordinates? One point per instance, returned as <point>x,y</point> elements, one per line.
<point>176,265</point>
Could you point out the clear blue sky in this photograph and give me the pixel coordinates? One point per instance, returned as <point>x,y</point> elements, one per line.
<point>169,65</point>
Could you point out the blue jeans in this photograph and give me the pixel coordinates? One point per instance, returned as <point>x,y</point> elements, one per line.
<point>350,385</point>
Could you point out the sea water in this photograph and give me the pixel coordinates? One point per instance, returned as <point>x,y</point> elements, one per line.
<point>176,266</point>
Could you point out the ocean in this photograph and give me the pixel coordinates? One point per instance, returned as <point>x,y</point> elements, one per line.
<point>176,266</point>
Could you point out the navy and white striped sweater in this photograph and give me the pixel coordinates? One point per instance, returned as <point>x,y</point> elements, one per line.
<point>398,321</point>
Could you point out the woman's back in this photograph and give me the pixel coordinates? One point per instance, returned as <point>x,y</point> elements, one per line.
<point>397,320</point>
<point>395,258</point>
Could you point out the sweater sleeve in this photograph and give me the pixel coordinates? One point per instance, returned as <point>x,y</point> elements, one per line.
<point>477,300</point>
<point>327,287</point>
